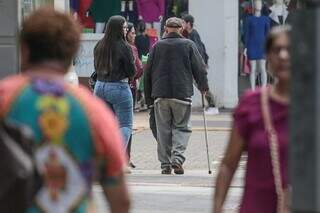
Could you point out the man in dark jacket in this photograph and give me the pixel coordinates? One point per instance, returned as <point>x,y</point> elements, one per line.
<point>193,35</point>
<point>172,65</point>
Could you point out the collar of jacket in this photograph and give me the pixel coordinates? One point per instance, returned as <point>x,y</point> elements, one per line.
<point>173,35</point>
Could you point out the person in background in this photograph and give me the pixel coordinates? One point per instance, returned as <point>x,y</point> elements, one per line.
<point>192,34</point>
<point>172,65</point>
<point>260,129</point>
<point>142,40</point>
<point>72,148</point>
<point>143,45</point>
<point>131,35</point>
<point>152,119</point>
<point>114,63</point>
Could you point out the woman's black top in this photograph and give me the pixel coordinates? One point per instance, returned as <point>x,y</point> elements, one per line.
<point>122,64</point>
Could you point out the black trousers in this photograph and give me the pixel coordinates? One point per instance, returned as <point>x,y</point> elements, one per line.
<point>152,122</point>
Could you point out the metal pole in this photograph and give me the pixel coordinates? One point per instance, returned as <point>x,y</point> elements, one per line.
<point>304,109</point>
<point>206,132</point>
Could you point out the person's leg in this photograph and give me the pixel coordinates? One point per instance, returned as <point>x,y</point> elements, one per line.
<point>131,164</point>
<point>181,131</point>
<point>152,123</point>
<point>129,147</point>
<point>210,99</point>
<point>253,64</point>
<point>264,76</point>
<point>100,91</point>
<point>134,96</point>
<point>123,108</point>
<point>133,92</point>
<point>163,117</point>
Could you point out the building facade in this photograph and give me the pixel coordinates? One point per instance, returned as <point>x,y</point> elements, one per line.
<point>217,23</point>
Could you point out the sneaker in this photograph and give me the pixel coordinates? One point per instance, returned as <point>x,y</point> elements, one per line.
<point>212,111</point>
<point>177,168</point>
<point>166,171</point>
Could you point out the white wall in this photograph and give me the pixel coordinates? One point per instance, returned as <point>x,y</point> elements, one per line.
<point>84,66</point>
<point>230,98</point>
<point>217,23</point>
<point>62,5</point>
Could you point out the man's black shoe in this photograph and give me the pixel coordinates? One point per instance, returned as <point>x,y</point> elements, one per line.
<point>166,171</point>
<point>177,168</point>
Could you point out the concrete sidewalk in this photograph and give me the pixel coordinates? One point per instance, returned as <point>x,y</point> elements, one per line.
<point>144,146</point>
<point>220,122</point>
<point>192,192</point>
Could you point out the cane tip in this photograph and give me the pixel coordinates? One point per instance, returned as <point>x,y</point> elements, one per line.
<point>210,172</point>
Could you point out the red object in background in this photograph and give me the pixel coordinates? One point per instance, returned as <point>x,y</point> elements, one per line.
<point>244,64</point>
<point>151,32</point>
<point>83,14</point>
<point>248,10</point>
<point>153,36</point>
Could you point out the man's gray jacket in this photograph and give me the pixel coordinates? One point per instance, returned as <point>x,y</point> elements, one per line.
<point>172,65</point>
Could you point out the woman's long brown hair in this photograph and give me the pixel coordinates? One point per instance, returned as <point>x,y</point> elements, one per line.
<point>105,50</point>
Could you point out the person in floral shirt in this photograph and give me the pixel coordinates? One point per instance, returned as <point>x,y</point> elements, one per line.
<point>77,139</point>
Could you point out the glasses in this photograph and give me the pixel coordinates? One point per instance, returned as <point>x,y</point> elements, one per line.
<point>278,49</point>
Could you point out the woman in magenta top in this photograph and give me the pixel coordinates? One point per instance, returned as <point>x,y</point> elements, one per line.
<point>249,135</point>
<point>130,37</point>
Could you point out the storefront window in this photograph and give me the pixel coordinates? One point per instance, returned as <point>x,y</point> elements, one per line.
<point>94,14</point>
<point>27,6</point>
<point>256,18</point>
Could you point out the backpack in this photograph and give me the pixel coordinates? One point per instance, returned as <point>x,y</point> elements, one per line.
<point>19,180</point>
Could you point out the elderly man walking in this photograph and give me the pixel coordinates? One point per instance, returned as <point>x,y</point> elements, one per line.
<point>172,65</point>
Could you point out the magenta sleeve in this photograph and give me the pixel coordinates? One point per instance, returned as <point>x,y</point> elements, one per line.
<point>241,115</point>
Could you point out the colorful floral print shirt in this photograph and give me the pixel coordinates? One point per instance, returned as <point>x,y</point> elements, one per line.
<point>75,137</point>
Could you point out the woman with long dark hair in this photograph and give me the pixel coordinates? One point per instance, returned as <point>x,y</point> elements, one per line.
<point>114,63</point>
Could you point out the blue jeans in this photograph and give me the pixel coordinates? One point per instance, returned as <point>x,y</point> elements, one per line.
<point>118,97</point>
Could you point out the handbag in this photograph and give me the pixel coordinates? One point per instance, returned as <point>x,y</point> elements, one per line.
<point>282,194</point>
<point>19,180</point>
<point>245,64</point>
